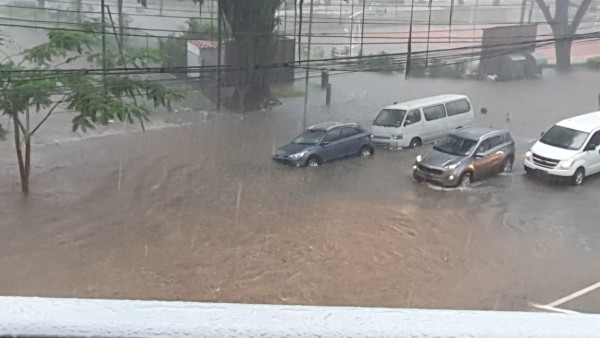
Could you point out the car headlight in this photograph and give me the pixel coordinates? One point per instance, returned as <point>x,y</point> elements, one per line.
<point>528,155</point>
<point>419,158</point>
<point>452,166</point>
<point>567,164</point>
<point>397,137</point>
<point>298,155</point>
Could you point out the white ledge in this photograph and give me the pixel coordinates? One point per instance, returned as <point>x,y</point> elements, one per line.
<point>24,316</point>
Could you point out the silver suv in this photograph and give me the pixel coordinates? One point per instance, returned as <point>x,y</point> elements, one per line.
<point>465,155</point>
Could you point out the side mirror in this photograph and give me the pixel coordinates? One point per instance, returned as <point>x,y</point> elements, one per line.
<point>542,134</point>
<point>479,155</point>
<point>324,143</point>
<point>484,110</point>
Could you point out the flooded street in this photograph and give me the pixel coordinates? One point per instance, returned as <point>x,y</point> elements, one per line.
<point>195,209</point>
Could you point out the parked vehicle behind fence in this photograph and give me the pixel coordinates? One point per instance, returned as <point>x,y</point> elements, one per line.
<point>413,123</point>
<point>465,155</point>
<point>569,150</point>
<point>325,142</point>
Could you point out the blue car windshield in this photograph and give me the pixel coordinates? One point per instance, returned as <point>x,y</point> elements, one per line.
<point>309,137</point>
<point>455,145</point>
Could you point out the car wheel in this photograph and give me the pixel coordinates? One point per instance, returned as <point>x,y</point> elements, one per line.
<point>415,142</point>
<point>465,180</point>
<point>366,152</point>
<point>313,162</point>
<point>507,166</point>
<point>578,177</point>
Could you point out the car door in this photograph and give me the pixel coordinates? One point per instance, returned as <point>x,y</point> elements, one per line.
<point>350,142</point>
<point>435,122</point>
<point>412,127</point>
<point>593,156</point>
<point>483,161</point>
<point>497,153</point>
<point>331,145</point>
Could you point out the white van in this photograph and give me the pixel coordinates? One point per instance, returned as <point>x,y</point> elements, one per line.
<point>412,123</point>
<point>570,149</point>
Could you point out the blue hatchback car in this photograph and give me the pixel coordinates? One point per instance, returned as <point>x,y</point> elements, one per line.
<point>325,142</point>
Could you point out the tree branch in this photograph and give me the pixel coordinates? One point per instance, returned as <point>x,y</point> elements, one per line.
<point>47,116</point>
<point>546,11</point>
<point>585,4</point>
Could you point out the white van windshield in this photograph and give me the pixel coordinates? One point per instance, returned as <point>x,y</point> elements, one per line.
<point>564,138</point>
<point>390,118</point>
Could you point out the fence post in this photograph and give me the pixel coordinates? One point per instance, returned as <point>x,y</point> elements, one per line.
<point>324,78</point>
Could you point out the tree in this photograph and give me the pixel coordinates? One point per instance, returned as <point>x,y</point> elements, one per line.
<point>564,32</point>
<point>33,82</point>
<point>251,23</point>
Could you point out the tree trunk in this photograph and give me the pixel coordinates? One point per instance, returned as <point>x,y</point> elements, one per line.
<point>121,20</point>
<point>563,54</point>
<point>23,162</point>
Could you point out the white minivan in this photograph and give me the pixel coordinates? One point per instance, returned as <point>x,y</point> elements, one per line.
<point>412,123</point>
<point>570,149</point>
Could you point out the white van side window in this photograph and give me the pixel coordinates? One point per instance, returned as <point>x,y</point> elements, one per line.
<point>434,113</point>
<point>413,117</point>
<point>458,107</point>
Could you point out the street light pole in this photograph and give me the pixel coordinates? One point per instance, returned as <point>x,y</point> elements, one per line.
<point>103,46</point>
<point>428,34</point>
<point>310,20</point>
<point>409,51</point>
<point>362,26</point>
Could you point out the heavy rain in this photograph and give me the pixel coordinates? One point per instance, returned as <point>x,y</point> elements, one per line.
<point>191,206</point>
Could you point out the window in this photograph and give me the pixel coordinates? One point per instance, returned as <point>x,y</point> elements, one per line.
<point>595,140</point>
<point>413,117</point>
<point>458,107</point>
<point>496,141</point>
<point>349,132</point>
<point>455,145</point>
<point>309,136</point>
<point>332,135</point>
<point>434,113</point>
<point>389,118</point>
<point>564,138</point>
<point>484,146</point>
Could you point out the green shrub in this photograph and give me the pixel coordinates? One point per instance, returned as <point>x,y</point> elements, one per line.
<point>593,62</point>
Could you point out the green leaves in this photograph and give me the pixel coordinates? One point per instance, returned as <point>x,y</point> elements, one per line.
<point>60,44</point>
<point>2,133</point>
<point>94,108</point>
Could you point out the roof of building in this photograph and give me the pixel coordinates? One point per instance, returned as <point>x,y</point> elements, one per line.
<point>202,44</point>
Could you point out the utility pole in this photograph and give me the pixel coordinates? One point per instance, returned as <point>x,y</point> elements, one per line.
<point>219,53</point>
<point>409,52</point>
<point>310,20</point>
<point>428,34</point>
<point>351,26</point>
<point>103,46</point>
<point>362,26</point>
<point>162,2</point>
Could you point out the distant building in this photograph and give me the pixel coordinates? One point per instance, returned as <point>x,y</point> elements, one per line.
<point>204,53</point>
